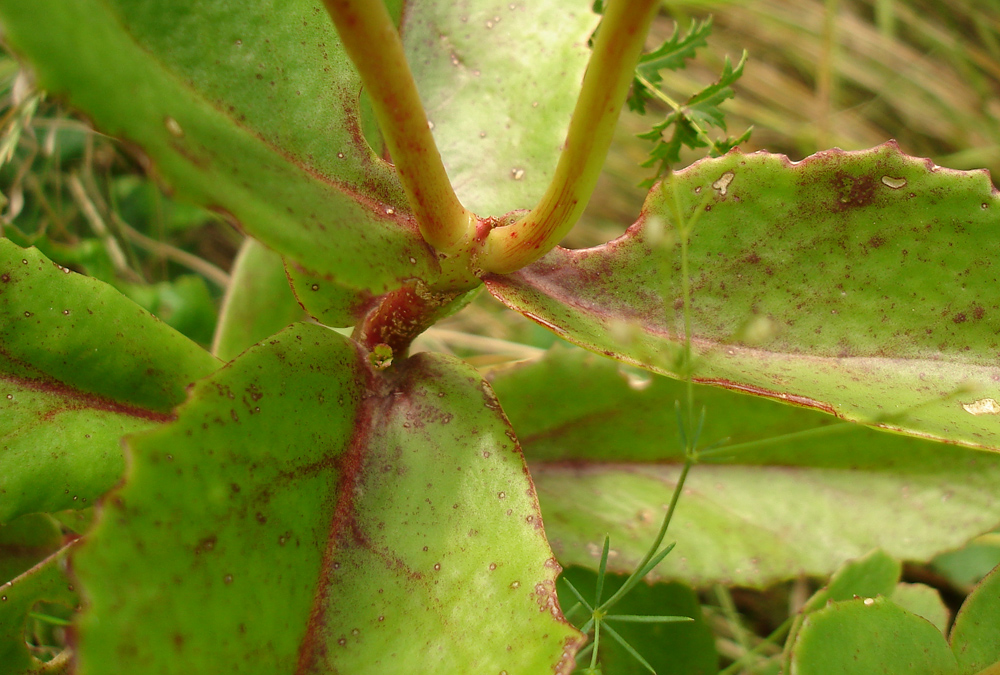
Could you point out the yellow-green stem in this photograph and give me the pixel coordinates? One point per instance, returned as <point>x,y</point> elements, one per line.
<point>617,47</point>
<point>374,45</point>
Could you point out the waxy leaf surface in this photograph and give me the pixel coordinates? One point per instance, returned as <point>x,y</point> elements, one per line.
<point>925,602</point>
<point>974,635</point>
<point>80,366</point>
<point>869,576</point>
<point>499,81</point>
<point>856,629</point>
<point>875,575</point>
<point>790,492</point>
<point>862,284</point>
<point>871,635</point>
<point>306,514</point>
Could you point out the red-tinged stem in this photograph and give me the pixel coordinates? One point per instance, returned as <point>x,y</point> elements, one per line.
<point>373,44</point>
<point>400,316</point>
<point>617,48</point>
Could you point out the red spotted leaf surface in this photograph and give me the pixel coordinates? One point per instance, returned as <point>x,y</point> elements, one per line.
<point>859,283</point>
<point>309,514</point>
<point>80,366</point>
<point>788,492</point>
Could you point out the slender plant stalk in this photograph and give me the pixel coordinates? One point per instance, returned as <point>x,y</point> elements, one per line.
<point>374,45</point>
<point>689,433</point>
<point>826,75</point>
<point>617,47</point>
<point>634,578</point>
<point>676,107</point>
<point>811,433</point>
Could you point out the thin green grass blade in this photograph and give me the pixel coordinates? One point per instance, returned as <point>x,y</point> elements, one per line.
<point>629,648</point>
<point>578,595</point>
<point>600,570</point>
<point>642,618</point>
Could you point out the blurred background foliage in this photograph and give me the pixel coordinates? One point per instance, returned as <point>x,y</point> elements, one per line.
<point>830,73</point>
<point>822,73</point>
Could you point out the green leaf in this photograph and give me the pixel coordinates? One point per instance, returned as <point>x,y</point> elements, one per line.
<point>789,493</point>
<point>327,301</point>
<point>966,566</point>
<point>45,581</point>
<point>974,635</point>
<point>704,106</point>
<point>251,111</point>
<point>258,303</point>
<point>25,541</point>
<point>80,366</point>
<point>856,283</point>
<point>869,576</point>
<point>671,55</point>
<point>686,648</point>
<point>691,121</point>
<point>499,82</point>
<point>871,635</point>
<point>396,527</point>
<point>183,303</point>
<point>925,602</point>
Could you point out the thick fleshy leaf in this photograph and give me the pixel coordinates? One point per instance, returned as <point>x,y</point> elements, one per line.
<point>861,283</point>
<point>686,648</point>
<point>925,602</point>
<point>974,636</point>
<point>875,575</point>
<point>499,81</point>
<point>329,302</point>
<point>47,581</point>
<point>80,366</point>
<point>870,635</point>
<point>869,576</point>
<point>308,514</point>
<point>795,495</point>
<point>259,302</point>
<point>251,110</point>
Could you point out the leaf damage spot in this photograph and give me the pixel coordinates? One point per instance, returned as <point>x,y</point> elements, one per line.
<point>722,185</point>
<point>984,406</point>
<point>173,127</point>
